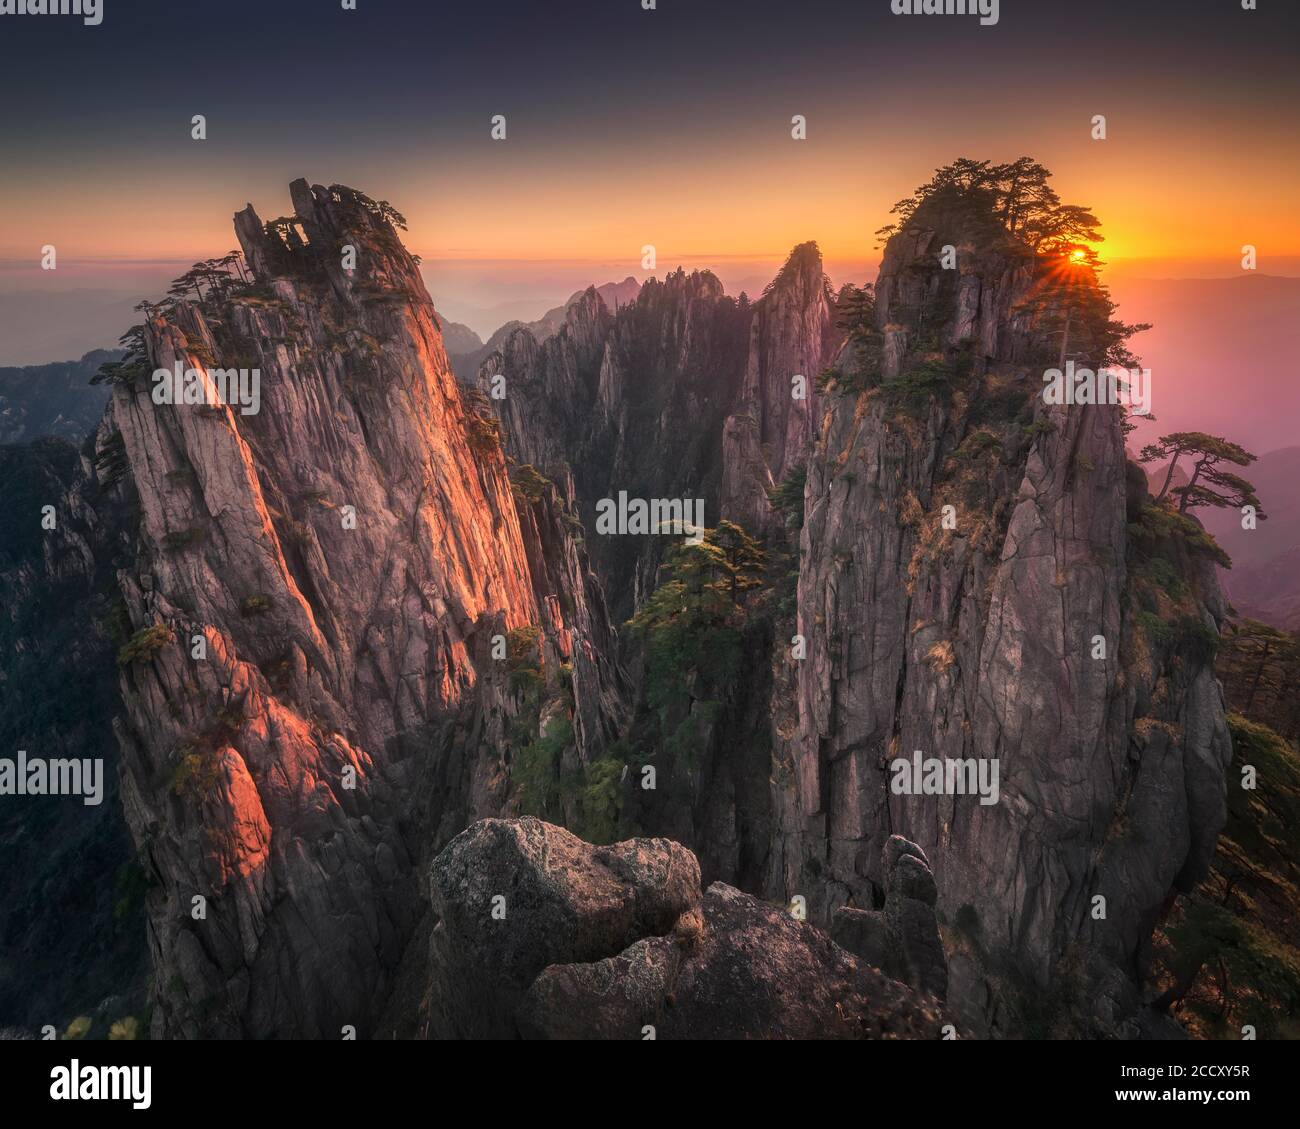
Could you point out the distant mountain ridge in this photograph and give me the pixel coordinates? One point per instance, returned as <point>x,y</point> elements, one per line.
<point>1264,582</point>
<point>53,399</point>
<point>1219,349</point>
<point>465,361</point>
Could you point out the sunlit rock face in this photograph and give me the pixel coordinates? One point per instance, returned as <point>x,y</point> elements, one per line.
<point>342,558</point>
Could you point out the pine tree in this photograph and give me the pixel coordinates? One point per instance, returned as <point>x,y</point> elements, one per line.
<point>1210,484</point>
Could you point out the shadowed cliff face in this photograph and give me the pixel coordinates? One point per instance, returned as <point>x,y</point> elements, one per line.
<point>684,392</point>
<point>792,338</point>
<point>71,897</point>
<point>347,715</point>
<point>981,641</point>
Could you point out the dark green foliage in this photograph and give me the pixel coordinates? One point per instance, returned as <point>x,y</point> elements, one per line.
<point>1159,523</point>
<point>913,390</point>
<point>787,497</point>
<point>536,770</point>
<point>131,366</point>
<point>855,313</point>
<point>1038,428</point>
<point>1162,574</point>
<point>1195,641</point>
<point>527,482</point>
<point>584,798</point>
<point>1210,484</point>
<point>692,627</point>
<point>1186,639</point>
<point>196,764</point>
<point>1016,196</point>
<point>977,446</point>
<point>1012,208</point>
<point>195,772</point>
<point>523,658</point>
<point>934,377</point>
<point>525,681</point>
<point>594,793</point>
<point>380,209</point>
<point>145,644</point>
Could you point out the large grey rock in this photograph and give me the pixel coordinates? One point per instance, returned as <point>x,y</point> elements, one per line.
<point>604,942</point>
<point>514,896</point>
<point>750,971</point>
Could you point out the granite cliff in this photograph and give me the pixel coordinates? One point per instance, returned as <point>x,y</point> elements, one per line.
<point>378,610</point>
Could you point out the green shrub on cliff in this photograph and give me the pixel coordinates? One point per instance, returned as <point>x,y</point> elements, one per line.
<point>483,434</point>
<point>255,605</point>
<point>145,644</point>
<point>592,794</point>
<point>787,497</point>
<point>535,770</point>
<point>1157,523</point>
<point>528,483</point>
<point>693,631</point>
<point>935,375</point>
<point>195,772</point>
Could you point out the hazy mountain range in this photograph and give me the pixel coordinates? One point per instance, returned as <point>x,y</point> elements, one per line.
<point>1264,581</point>
<point>467,351</point>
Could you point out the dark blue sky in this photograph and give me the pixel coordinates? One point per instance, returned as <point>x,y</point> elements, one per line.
<point>629,126</point>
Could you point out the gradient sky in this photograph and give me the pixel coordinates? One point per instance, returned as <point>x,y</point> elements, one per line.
<point>628,127</point>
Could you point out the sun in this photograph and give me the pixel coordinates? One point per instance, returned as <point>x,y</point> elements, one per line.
<point>1077,256</point>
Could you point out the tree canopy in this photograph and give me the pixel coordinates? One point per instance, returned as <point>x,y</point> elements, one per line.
<point>1068,301</point>
<point>1210,483</point>
<point>1018,194</point>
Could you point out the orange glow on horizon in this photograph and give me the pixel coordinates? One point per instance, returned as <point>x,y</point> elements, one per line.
<point>1165,204</point>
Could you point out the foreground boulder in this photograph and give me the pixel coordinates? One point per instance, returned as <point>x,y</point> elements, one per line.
<point>514,896</point>
<point>541,935</point>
